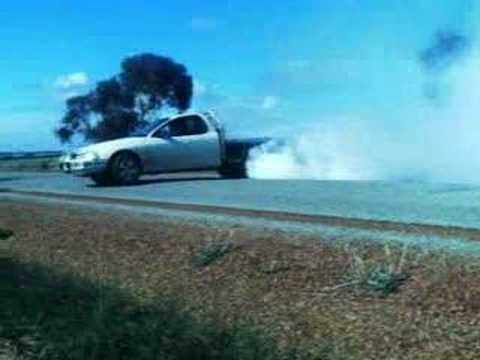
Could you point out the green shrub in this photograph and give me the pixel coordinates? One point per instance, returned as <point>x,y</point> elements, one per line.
<point>5,234</point>
<point>211,252</point>
<point>384,281</point>
<point>51,316</point>
<point>384,276</point>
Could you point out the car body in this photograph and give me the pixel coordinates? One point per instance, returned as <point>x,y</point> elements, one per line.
<point>185,142</point>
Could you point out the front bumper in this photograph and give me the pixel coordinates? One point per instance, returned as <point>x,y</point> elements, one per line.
<point>83,168</point>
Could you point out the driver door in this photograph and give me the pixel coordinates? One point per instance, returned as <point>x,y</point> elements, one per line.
<point>186,143</point>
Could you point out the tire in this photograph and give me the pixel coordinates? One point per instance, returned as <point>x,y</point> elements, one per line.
<point>233,171</point>
<point>102,179</point>
<point>125,169</point>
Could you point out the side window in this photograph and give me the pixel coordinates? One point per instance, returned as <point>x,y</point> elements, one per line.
<point>188,126</point>
<point>183,126</point>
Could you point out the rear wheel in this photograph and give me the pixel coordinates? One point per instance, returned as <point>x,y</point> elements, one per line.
<point>125,169</point>
<point>233,171</point>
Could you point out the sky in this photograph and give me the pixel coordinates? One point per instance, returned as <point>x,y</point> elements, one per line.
<point>267,66</point>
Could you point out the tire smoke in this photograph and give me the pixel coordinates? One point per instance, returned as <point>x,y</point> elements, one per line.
<point>437,139</point>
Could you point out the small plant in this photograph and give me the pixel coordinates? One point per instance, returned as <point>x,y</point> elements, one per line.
<point>384,277</point>
<point>211,252</point>
<point>5,234</point>
<point>384,280</point>
<point>217,247</point>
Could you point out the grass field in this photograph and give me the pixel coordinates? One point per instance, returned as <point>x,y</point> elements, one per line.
<point>333,302</point>
<point>47,315</point>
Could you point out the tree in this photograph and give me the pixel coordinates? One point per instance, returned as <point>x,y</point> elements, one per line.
<point>147,84</point>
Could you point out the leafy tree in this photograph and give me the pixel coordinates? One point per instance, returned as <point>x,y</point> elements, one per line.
<point>147,84</point>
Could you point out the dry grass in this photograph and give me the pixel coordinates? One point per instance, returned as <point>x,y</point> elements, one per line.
<point>49,164</point>
<point>294,290</point>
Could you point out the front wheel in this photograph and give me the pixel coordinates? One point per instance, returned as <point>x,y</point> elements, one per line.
<point>102,179</point>
<point>125,169</point>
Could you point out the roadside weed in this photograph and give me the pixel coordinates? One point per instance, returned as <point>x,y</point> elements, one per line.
<point>381,276</point>
<point>212,251</point>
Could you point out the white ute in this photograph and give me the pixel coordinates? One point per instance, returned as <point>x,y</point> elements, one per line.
<point>185,142</point>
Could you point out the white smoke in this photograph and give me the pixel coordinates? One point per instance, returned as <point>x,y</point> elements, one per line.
<point>323,152</point>
<point>429,141</point>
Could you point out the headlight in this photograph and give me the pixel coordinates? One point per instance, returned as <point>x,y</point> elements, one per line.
<point>88,157</point>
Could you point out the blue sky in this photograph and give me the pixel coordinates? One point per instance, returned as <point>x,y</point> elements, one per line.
<point>264,65</point>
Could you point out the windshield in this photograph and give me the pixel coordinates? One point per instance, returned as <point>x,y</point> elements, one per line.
<point>144,131</point>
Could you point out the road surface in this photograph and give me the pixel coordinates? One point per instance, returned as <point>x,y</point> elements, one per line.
<point>449,205</point>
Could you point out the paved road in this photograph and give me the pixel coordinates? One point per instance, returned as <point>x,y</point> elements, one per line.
<point>409,202</point>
